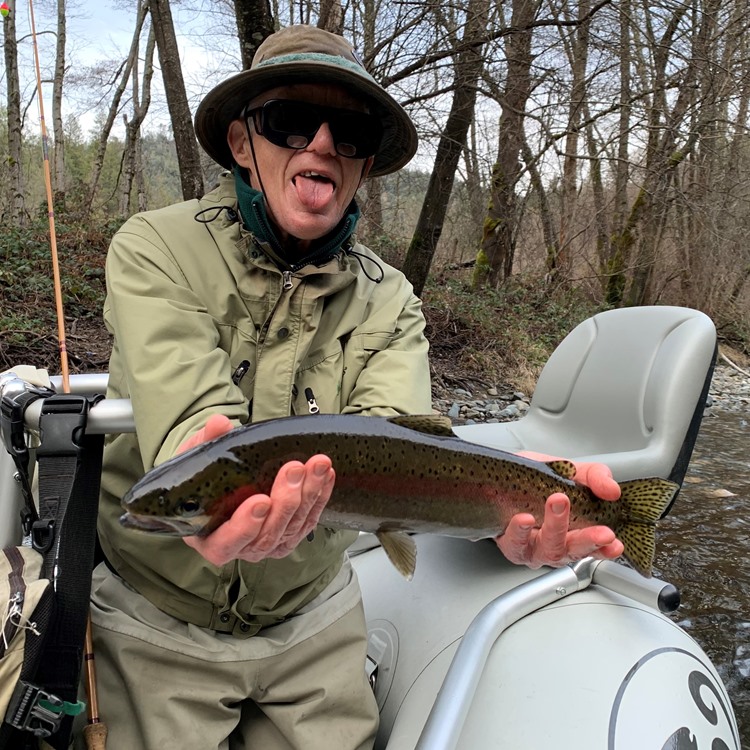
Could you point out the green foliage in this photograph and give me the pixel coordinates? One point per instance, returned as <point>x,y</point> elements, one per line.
<point>27,299</point>
<point>504,334</point>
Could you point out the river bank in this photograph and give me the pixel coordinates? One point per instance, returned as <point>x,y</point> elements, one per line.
<point>474,401</point>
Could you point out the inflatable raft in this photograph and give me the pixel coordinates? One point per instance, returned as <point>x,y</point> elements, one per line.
<point>477,653</point>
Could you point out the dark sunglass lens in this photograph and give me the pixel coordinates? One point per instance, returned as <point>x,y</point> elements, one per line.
<point>290,124</point>
<point>356,134</point>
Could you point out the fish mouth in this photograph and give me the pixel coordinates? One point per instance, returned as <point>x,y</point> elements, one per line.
<point>159,525</point>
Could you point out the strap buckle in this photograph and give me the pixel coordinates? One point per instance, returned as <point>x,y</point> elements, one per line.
<point>34,710</point>
<point>62,435</point>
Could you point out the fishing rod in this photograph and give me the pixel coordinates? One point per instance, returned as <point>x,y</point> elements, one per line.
<point>95,732</point>
<point>51,213</point>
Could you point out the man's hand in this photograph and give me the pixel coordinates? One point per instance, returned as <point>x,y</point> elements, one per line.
<point>553,544</point>
<point>266,525</point>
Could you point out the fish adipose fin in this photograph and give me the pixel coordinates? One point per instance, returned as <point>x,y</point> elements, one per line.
<point>644,501</point>
<point>401,551</point>
<point>428,424</point>
<point>562,467</point>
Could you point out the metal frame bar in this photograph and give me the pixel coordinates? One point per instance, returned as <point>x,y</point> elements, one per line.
<point>446,720</point>
<point>442,730</point>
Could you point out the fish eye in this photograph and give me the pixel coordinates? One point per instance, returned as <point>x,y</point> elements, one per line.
<point>189,507</point>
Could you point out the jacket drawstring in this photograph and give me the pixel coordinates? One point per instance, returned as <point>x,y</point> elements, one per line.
<point>360,257</point>
<point>214,212</point>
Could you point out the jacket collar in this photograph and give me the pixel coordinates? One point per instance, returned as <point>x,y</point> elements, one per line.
<point>255,219</point>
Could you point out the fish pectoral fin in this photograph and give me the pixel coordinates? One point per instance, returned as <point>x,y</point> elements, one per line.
<point>562,467</point>
<point>401,551</point>
<point>428,424</point>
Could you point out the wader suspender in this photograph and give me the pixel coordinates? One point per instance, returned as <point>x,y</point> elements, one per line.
<point>64,533</point>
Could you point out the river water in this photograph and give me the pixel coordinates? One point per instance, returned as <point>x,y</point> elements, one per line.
<point>703,547</point>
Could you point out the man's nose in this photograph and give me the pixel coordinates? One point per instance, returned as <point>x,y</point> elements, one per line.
<point>323,141</point>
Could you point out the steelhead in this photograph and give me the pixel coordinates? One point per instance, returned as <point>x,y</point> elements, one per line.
<point>393,475</point>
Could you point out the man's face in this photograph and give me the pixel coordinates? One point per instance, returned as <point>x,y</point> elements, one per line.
<point>307,190</point>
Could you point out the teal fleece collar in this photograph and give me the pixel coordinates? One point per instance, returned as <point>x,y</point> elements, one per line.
<point>255,219</point>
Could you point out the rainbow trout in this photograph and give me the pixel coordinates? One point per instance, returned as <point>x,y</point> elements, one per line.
<point>393,475</point>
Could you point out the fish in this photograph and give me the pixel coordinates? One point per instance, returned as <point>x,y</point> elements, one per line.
<point>395,476</point>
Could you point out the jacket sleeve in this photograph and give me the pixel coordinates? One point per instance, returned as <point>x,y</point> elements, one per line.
<point>166,356</point>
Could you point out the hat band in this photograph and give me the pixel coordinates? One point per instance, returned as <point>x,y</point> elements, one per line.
<point>316,57</point>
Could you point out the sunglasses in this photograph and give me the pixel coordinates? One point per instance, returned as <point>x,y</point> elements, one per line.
<point>292,124</point>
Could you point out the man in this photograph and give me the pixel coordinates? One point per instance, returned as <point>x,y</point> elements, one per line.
<point>253,303</point>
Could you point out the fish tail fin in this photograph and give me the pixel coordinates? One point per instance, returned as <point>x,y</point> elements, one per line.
<point>401,551</point>
<point>639,540</point>
<point>644,503</point>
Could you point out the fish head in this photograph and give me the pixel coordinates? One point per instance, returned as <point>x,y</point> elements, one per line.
<point>197,525</point>
<point>178,510</point>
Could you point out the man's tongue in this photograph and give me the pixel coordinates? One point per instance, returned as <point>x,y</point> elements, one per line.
<point>313,192</point>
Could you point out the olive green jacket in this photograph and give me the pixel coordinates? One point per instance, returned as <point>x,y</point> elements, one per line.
<point>193,301</point>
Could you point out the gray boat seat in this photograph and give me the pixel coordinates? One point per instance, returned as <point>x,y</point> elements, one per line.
<point>626,388</point>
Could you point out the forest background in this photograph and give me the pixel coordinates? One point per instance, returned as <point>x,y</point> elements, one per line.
<point>574,157</point>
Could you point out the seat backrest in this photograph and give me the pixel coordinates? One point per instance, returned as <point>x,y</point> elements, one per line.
<point>625,387</point>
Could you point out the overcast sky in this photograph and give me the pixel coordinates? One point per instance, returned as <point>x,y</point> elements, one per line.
<point>101,30</point>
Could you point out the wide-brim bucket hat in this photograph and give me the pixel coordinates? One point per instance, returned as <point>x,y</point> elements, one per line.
<point>304,54</point>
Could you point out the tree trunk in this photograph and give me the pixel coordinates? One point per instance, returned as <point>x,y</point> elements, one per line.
<point>669,155</point>
<point>468,66</point>
<point>127,69</point>
<point>578,58</point>
<point>15,165</point>
<point>614,258</point>
<point>132,153</point>
<point>331,16</point>
<point>495,259</point>
<point>254,24</point>
<point>188,154</point>
<point>58,172</point>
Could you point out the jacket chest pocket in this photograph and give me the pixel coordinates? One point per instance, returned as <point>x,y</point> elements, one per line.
<point>317,386</point>
<point>330,374</point>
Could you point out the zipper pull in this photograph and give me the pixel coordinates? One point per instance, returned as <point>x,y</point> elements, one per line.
<point>312,404</point>
<point>240,372</point>
<point>287,277</point>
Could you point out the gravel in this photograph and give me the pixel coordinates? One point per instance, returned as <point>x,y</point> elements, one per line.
<point>730,391</point>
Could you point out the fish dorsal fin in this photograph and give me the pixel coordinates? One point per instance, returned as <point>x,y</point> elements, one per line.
<point>401,551</point>
<point>562,467</point>
<point>429,424</point>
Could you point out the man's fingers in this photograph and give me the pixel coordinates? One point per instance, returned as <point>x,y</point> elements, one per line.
<point>236,536</point>
<point>515,543</point>
<point>596,541</point>
<point>551,547</point>
<point>598,477</point>
<point>216,426</point>
<point>317,486</point>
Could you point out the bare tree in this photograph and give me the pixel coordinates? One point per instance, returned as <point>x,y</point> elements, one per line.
<point>132,164</point>
<point>58,172</point>
<point>468,66</point>
<point>124,75</point>
<point>188,154</point>
<point>497,250</point>
<point>255,21</point>
<point>15,164</point>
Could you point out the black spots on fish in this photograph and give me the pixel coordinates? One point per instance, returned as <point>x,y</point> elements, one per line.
<point>639,541</point>
<point>646,500</point>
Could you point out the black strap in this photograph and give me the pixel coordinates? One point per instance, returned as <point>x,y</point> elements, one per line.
<point>12,409</point>
<point>69,470</point>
